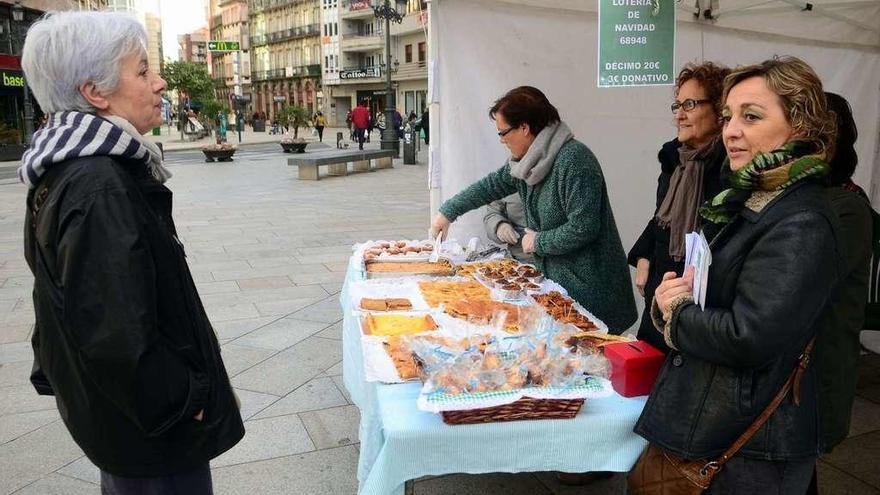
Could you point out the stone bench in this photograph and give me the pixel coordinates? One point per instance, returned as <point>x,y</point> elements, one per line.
<point>337,162</point>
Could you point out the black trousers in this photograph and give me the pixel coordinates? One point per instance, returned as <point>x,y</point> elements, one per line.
<point>359,135</point>
<point>194,482</point>
<point>320,129</point>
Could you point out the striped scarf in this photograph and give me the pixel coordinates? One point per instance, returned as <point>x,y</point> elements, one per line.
<point>769,171</point>
<point>70,135</point>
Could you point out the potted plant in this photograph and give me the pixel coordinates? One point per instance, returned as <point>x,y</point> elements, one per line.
<point>293,116</point>
<point>293,144</point>
<point>221,152</point>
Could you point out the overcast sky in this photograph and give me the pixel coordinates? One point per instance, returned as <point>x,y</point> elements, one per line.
<point>180,17</point>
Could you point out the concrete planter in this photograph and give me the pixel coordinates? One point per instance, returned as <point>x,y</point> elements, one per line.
<point>11,152</point>
<point>219,155</point>
<point>294,147</point>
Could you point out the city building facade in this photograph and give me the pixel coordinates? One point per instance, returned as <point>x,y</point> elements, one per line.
<point>153,23</point>
<point>231,71</point>
<point>193,47</point>
<point>354,61</point>
<point>285,40</point>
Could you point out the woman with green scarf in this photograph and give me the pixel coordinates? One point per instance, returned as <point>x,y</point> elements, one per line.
<point>773,277</point>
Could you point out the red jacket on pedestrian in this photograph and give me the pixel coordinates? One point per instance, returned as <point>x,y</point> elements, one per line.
<point>360,117</point>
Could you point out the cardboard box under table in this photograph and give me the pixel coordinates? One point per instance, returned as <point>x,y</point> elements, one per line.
<point>400,443</point>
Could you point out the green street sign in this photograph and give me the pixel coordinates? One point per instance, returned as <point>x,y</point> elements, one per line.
<point>224,46</point>
<point>636,43</point>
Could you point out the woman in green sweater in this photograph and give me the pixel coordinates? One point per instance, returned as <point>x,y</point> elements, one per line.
<point>571,228</point>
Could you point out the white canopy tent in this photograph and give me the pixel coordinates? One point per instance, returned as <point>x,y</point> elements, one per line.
<point>482,48</point>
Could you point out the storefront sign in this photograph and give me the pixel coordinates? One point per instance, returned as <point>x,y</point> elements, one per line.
<point>364,73</point>
<point>359,5</point>
<point>279,99</point>
<point>636,43</point>
<point>11,79</point>
<point>224,46</point>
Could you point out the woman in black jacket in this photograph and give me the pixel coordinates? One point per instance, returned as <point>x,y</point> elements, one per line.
<point>773,277</point>
<point>690,168</point>
<point>121,338</point>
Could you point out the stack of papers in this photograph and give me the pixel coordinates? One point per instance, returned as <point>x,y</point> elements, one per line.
<point>699,256</point>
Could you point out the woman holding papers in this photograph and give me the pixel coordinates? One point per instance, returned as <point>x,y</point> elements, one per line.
<point>571,228</point>
<point>690,168</point>
<point>773,277</point>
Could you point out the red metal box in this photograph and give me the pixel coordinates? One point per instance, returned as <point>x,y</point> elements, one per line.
<point>634,367</point>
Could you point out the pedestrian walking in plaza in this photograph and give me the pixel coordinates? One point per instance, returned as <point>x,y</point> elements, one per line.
<point>371,124</point>
<point>320,123</point>
<point>571,229</point>
<point>425,125</point>
<point>121,337</point>
<point>360,118</point>
<point>348,124</point>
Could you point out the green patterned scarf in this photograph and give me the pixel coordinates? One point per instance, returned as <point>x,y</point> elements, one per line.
<point>771,171</point>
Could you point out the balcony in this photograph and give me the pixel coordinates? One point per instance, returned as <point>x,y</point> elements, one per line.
<point>412,23</point>
<point>358,43</point>
<point>356,9</point>
<point>259,6</point>
<point>284,73</point>
<point>286,35</point>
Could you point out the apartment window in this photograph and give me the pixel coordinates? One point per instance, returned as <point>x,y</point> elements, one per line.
<point>335,29</point>
<point>423,51</point>
<point>407,54</point>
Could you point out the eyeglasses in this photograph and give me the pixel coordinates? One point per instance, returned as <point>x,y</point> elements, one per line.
<point>686,105</point>
<point>506,131</point>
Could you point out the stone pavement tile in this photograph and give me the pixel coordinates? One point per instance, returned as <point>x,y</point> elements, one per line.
<point>321,258</point>
<point>610,486</point>
<point>319,393</point>
<point>202,277</point>
<point>267,439</point>
<point>16,352</point>
<point>222,312</point>
<point>482,484</point>
<point>238,358</point>
<point>280,261</point>
<point>333,427</point>
<point>82,469</point>
<point>335,370</point>
<point>340,249</point>
<point>253,402</point>
<point>337,267</point>
<point>23,398</point>
<point>334,332</point>
<point>15,374</point>
<point>833,481</point>
<point>32,456</point>
<point>232,329</point>
<point>328,311</point>
<point>221,273</point>
<point>14,333</point>
<point>19,316</point>
<point>340,385</point>
<point>26,281</point>
<point>865,417</point>
<point>276,282</point>
<point>324,472</point>
<point>283,308</point>
<point>332,289</point>
<point>13,426</point>
<point>211,266</point>
<point>56,484</point>
<point>317,278</point>
<point>291,368</point>
<point>206,288</point>
<point>266,295</point>
<point>857,456</point>
<point>281,334</point>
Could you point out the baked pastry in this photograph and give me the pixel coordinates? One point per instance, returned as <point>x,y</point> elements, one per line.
<point>437,292</point>
<point>441,268</point>
<point>484,312</point>
<point>562,309</point>
<point>386,325</point>
<point>392,304</point>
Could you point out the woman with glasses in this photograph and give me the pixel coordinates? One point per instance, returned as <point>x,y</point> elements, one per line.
<point>690,168</point>
<point>571,228</point>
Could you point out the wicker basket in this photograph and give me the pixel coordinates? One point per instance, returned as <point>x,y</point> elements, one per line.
<point>525,408</point>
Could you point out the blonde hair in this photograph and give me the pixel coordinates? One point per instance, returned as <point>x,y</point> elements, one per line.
<point>801,95</point>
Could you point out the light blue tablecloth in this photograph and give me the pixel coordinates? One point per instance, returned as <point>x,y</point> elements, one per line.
<point>399,442</point>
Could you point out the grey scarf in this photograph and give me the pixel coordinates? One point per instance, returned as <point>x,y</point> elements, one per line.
<point>534,166</point>
<point>679,211</point>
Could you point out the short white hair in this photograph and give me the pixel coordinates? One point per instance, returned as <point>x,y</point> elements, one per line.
<point>64,50</point>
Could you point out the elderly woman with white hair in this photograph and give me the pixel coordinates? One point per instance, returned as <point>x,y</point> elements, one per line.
<point>121,338</point>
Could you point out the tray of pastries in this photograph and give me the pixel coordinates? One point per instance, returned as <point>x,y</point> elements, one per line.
<point>390,324</point>
<point>386,304</point>
<point>516,318</point>
<point>470,269</point>
<point>566,310</point>
<point>398,250</point>
<point>379,268</point>
<point>437,292</point>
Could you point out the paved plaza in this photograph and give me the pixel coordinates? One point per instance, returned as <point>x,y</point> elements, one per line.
<point>269,253</point>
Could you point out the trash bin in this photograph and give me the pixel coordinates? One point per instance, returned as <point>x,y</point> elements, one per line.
<point>259,125</point>
<point>410,144</point>
<point>157,131</point>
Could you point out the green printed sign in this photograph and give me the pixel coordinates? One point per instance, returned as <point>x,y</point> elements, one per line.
<point>224,46</point>
<point>636,43</point>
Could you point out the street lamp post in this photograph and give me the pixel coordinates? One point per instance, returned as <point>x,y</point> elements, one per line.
<point>390,138</point>
<point>18,17</point>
